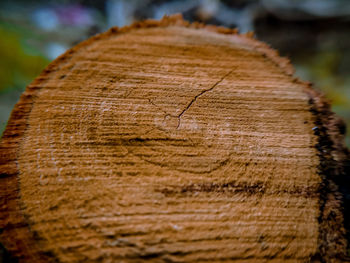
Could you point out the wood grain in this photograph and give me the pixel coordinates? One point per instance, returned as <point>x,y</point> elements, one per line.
<point>167,142</point>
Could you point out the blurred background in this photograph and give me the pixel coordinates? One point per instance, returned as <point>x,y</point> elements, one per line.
<point>314,34</point>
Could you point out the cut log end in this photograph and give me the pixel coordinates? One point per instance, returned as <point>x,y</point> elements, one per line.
<point>168,141</point>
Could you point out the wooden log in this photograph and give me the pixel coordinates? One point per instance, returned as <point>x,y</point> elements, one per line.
<point>168,141</point>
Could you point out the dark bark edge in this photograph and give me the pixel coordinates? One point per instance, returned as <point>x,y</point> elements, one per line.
<point>334,170</point>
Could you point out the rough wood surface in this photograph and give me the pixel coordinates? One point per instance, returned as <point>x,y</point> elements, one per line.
<point>170,142</point>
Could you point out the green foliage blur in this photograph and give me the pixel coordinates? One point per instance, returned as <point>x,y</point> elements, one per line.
<point>20,63</point>
<point>323,69</point>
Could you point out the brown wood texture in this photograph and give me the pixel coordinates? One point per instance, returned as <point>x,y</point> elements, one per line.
<point>171,142</point>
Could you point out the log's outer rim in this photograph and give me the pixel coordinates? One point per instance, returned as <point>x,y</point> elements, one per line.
<point>333,168</point>
<point>15,232</point>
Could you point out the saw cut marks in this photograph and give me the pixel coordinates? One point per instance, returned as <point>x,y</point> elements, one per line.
<point>170,143</point>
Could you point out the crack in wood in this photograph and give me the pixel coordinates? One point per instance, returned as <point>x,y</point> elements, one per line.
<point>191,102</point>
<point>200,94</point>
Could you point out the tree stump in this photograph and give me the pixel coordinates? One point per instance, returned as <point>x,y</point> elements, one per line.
<point>168,141</point>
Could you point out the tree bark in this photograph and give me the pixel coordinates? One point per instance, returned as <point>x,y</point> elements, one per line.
<point>172,142</point>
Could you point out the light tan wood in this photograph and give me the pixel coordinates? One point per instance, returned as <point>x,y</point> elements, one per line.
<point>167,142</point>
